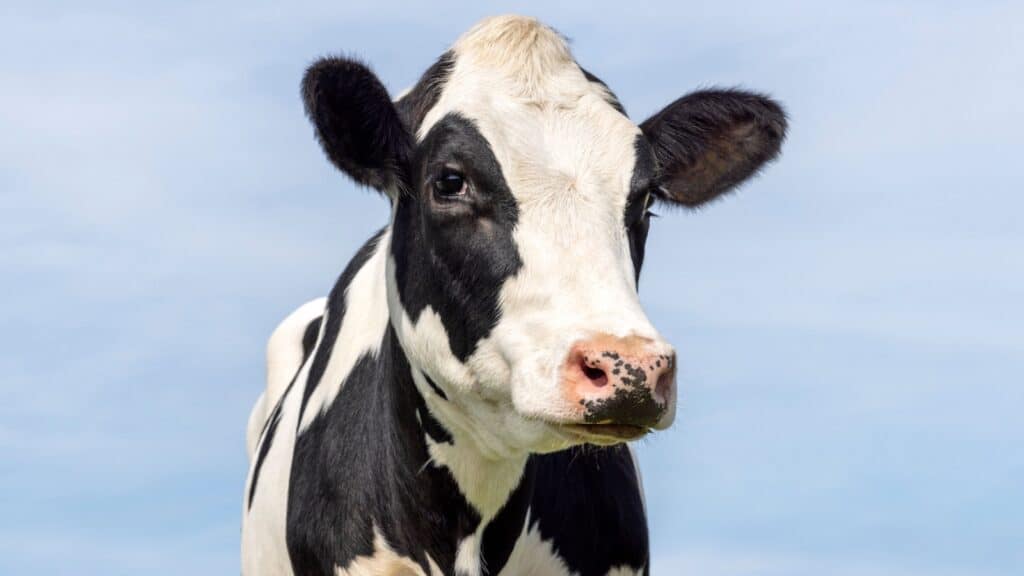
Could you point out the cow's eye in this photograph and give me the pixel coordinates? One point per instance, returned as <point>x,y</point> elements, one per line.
<point>450,184</point>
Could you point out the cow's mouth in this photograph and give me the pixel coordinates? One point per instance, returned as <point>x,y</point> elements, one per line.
<point>606,433</point>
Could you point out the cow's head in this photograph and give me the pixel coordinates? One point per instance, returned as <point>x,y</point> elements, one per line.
<point>521,195</point>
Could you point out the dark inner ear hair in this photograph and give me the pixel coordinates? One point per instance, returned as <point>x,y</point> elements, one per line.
<point>708,142</point>
<point>356,123</point>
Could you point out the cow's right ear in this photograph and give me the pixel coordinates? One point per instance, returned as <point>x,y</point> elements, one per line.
<point>356,123</point>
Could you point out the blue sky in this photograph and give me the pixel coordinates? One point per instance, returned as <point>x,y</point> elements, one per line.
<point>850,325</point>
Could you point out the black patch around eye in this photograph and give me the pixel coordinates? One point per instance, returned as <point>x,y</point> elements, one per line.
<point>443,259</point>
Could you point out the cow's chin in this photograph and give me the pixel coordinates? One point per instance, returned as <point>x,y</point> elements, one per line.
<point>501,430</point>
<point>543,436</point>
<point>558,435</point>
<point>558,426</point>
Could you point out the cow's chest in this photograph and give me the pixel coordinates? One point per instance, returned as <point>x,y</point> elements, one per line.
<point>531,556</point>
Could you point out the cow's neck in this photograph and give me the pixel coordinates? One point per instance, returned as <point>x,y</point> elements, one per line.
<point>476,505</point>
<point>485,480</point>
<point>436,483</point>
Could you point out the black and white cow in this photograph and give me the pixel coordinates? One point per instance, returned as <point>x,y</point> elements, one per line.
<point>459,403</point>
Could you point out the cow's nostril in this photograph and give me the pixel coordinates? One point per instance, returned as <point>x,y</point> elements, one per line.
<point>663,387</point>
<point>596,376</point>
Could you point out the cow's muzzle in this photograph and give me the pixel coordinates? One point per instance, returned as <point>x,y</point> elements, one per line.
<point>622,386</point>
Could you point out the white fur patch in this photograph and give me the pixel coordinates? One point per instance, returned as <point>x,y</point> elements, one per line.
<point>467,556</point>
<point>534,556</point>
<point>284,358</point>
<point>385,562</point>
<point>483,463</point>
<point>484,482</point>
<point>264,522</point>
<point>362,330</point>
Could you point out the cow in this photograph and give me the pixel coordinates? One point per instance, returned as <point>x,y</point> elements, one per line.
<point>461,401</point>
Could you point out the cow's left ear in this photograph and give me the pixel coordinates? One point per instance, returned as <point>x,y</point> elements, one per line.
<point>709,141</point>
<point>356,122</point>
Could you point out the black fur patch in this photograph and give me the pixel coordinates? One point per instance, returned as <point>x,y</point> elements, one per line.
<point>335,316</point>
<point>455,259</point>
<point>587,502</point>
<point>417,102</point>
<point>437,432</point>
<point>433,386</point>
<point>364,464</point>
<point>309,337</point>
<point>268,439</point>
<point>503,531</point>
<point>356,122</point>
<point>710,141</point>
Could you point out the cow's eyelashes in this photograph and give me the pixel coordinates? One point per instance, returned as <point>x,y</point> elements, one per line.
<point>450,184</point>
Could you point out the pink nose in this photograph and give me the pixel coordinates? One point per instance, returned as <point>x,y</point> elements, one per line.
<point>620,380</point>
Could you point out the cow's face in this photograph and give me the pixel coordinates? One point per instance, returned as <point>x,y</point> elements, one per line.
<point>521,196</point>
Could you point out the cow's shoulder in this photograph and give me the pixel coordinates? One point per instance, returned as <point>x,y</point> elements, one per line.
<point>586,515</point>
<point>363,497</point>
<point>271,435</point>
